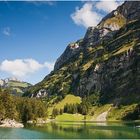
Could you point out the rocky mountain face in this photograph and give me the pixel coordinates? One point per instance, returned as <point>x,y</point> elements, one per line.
<point>105,63</point>
<point>111,23</point>
<point>13,84</point>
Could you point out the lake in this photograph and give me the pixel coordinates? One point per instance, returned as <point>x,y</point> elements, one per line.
<point>71,130</point>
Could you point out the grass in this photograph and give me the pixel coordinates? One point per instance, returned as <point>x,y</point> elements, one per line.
<point>73,117</point>
<point>118,19</point>
<point>70,117</point>
<point>120,50</point>
<point>98,110</point>
<point>18,84</point>
<point>94,49</point>
<point>114,114</point>
<point>125,48</point>
<point>105,57</point>
<point>118,113</point>
<point>78,117</point>
<point>70,99</point>
<point>87,65</point>
<point>81,56</point>
<point>18,90</point>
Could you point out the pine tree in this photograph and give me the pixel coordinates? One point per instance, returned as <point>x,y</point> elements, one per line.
<point>55,112</point>
<point>2,111</point>
<point>61,111</point>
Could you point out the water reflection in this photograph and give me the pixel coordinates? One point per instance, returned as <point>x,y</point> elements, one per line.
<point>88,130</point>
<point>74,130</point>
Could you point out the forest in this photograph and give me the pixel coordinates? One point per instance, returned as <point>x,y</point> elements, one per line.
<point>21,109</point>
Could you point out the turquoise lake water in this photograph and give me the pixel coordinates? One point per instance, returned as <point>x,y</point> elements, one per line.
<point>70,130</point>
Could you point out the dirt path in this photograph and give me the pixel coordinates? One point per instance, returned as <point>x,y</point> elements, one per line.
<point>103,116</point>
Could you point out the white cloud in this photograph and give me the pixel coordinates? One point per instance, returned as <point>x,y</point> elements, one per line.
<point>7,31</point>
<point>86,16</point>
<point>49,65</point>
<point>23,67</point>
<point>107,6</point>
<point>89,14</point>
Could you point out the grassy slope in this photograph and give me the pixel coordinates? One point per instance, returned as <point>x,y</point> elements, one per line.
<point>70,99</point>
<point>17,89</point>
<point>18,84</point>
<point>117,113</point>
<point>70,117</point>
<point>99,110</point>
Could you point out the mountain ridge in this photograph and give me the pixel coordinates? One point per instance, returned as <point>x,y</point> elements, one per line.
<point>111,22</point>
<point>16,86</point>
<point>104,63</point>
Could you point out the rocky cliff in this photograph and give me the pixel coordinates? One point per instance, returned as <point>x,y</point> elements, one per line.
<point>106,28</point>
<point>105,63</point>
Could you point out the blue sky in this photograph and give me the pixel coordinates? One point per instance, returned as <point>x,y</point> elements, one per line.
<point>34,34</point>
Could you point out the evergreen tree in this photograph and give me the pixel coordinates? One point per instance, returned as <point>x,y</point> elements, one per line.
<point>66,108</point>
<point>20,108</point>
<point>2,111</point>
<point>84,110</point>
<point>10,106</point>
<point>61,111</point>
<point>74,109</point>
<point>55,112</point>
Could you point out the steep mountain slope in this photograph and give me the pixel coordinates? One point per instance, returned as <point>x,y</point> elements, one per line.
<point>105,63</point>
<point>16,86</point>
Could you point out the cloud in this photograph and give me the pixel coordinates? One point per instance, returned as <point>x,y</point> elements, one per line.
<point>86,16</point>
<point>49,65</point>
<point>24,67</point>
<point>7,31</point>
<point>107,6</point>
<point>90,15</point>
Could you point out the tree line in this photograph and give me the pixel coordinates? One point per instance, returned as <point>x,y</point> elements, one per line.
<point>82,108</point>
<point>21,108</point>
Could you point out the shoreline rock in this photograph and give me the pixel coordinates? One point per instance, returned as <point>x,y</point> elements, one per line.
<point>41,121</point>
<point>11,124</point>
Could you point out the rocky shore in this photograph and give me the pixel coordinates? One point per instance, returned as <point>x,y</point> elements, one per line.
<point>11,123</point>
<point>41,121</point>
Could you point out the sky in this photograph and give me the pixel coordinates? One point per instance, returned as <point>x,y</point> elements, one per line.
<point>33,34</point>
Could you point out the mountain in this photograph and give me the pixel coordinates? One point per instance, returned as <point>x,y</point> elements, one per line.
<point>104,64</point>
<point>16,86</point>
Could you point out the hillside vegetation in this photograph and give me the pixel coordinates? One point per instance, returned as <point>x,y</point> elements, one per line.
<point>103,69</point>
<point>20,109</point>
<point>15,86</point>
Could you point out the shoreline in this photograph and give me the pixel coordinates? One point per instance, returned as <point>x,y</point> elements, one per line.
<point>114,121</point>
<point>8,123</point>
<point>83,121</point>
<point>40,122</point>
